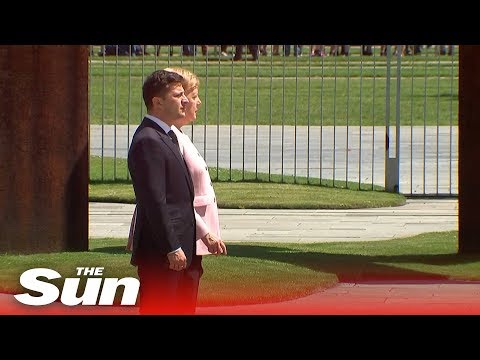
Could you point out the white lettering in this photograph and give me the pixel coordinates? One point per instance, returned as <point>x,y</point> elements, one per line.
<point>90,294</point>
<point>93,288</point>
<point>29,280</point>
<point>95,271</point>
<point>130,291</point>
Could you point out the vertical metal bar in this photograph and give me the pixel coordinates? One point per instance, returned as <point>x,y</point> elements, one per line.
<point>115,121</point>
<point>206,111</point>
<point>411,128</point>
<point>387,114</point>
<point>392,163</point>
<point>103,113</point>
<point>308,115</point>
<point>334,117</point>
<point>321,121</point>
<point>393,173</point>
<point>397,122</point>
<point>451,126</point>
<point>181,56</point>
<point>231,111</point>
<point>192,124</point>
<point>373,118</point>
<point>129,101</point>
<point>438,128</point>
<point>271,117</point>
<point>141,84</point>
<point>283,112</point>
<point>295,117</point>
<point>170,51</point>
<point>244,115</point>
<point>219,91</point>
<point>347,115</point>
<point>194,60</point>
<point>425,121</point>
<point>360,123</point>
<point>194,71</point>
<point>257,118</point>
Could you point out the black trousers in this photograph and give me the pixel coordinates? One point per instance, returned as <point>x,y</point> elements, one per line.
<point>169,292</point>
<point>253,49</point>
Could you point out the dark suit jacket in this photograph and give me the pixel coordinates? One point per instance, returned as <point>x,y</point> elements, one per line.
<point>164,194</point>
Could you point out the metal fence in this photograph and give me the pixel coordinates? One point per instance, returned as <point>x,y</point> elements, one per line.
<point>385,118</point>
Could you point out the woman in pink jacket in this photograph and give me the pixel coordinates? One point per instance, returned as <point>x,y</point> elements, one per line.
<point>205,203</point>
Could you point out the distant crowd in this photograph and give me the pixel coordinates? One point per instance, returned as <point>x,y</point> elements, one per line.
<point>255,51</point>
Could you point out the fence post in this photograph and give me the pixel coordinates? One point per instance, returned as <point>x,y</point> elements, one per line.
<point>392,163</point>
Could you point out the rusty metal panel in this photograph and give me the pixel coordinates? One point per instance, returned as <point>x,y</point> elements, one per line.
<point>43,148</point>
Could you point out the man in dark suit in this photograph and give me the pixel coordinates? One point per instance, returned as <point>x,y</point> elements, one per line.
<point>164,237</point>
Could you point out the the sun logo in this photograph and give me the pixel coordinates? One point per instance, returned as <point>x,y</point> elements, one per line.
<point>96,288</point>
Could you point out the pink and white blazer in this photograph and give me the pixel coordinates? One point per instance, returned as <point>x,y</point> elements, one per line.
<point>205,202</point>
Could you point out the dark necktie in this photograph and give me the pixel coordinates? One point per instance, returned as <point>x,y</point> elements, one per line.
<point>173,137</point>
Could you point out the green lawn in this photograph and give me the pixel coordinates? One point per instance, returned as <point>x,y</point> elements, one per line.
<point>264,272</point>
<point>240,190</point>
<point>305,90</point>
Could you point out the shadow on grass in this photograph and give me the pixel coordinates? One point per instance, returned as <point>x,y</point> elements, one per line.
<point>352,267</point>
<point>109,181</point>
<point>441,95</point>
<point>111,250</point>
<point>347,267</point>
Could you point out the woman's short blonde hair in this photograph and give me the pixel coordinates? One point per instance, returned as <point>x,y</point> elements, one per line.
<point>190,81</point>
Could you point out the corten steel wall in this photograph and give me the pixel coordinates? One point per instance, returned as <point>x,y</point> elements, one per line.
<point>43,148</point>
<point>469,150</point>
